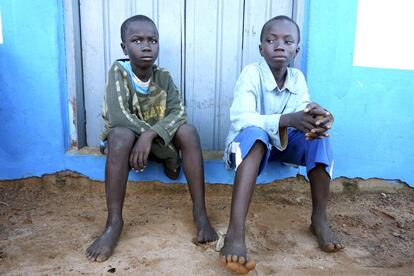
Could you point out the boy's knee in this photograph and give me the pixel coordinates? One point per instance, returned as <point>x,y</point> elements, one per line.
<point>324,145</point>
<point>186,132</point>
<point>186,137</point>
<point>259,147</point>
<point>254,128</point>
<point>253,132</point>
<point>120,138</point>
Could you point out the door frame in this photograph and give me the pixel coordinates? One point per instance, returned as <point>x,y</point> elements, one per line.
<point>74,74</point>
<point>74,66</point>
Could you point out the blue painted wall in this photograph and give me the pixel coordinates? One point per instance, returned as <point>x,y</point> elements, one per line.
<point>32,94</point>
<point>372,107</point>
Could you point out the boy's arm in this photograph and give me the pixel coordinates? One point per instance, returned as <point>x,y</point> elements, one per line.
<point>118,110</point>
<point>308,117</point>
<point>299,119</point>
<point>175,114</point>
<point>243,112</point>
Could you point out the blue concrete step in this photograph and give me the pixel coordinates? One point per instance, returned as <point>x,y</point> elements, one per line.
<point>89,162</point>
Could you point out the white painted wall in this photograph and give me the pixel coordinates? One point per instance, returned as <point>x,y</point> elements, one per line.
<point>384,34</point>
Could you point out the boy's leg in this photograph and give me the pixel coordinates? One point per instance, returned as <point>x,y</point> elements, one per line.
<point>316,155</point>
<point>187,140</point>
<point>234,250</point>
<point>120,143</point>
<point>320,182</point>
<point>252,150</point>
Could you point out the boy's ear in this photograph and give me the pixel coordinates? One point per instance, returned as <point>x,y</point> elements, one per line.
<point>124,49</point>
<point>260,49</point>
<point>297,49</point>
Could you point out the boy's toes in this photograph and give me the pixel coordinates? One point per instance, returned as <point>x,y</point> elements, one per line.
<point>93,257</point>
<point>237,264</point>
<point>250,265</point>
<point>235,259</point>
<point>205,232</point>
<point>102,258</point>
<point>90,255</point>
<point>208,236</point>
<point>327,240</point>
<point>223,260</point>
<point>339,246</point>
<point>330,247</point>
<point>228,258</point>
<point>205,237</point>
<point>238,268</point>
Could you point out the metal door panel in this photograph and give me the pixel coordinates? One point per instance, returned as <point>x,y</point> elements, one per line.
<point>213,55</point>
<point>204,44</point>
<point>100,22</point>
<point>256,14</point>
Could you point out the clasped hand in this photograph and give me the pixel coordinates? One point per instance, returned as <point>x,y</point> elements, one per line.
<point>314,121</point>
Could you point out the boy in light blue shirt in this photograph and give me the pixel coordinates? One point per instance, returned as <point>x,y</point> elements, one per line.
<point>272,118</point>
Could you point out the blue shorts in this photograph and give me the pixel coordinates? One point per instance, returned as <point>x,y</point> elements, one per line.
<point>299,151</point>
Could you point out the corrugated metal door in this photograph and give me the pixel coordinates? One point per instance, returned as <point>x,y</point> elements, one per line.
<point>203,43</point>
<point>100,24</point>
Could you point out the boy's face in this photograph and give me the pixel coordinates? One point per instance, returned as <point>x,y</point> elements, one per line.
<point>280,44</point>
<point>141,44</point>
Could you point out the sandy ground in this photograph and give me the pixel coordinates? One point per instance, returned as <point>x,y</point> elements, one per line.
<point>47,223</point>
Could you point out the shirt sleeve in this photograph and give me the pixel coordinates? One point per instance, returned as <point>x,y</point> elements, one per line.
<point>244,110</point>
<point>117,95</point>
<point>175,114</point>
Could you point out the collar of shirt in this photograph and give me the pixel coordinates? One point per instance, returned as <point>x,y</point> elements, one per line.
<point>270,82</point>
<point>139,85</point>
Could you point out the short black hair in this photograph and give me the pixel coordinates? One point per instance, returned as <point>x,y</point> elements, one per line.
<point>278,18</point>
<point>135,18</point>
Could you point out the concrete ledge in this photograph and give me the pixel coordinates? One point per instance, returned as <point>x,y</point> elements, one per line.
<point>89,162</point>
<point>207,154</point>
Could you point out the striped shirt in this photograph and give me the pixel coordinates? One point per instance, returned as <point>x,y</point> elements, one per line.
<point>160,110</point>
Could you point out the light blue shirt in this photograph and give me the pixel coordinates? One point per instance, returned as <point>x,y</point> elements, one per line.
<point>258,101</point>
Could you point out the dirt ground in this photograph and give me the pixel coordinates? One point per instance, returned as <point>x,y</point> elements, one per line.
<point>47,223</point>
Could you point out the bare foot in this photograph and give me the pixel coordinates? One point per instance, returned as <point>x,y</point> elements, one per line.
<point>171,173</point>
<point>205,232</point>
<point>327,240</point>
<point>171,170</point>
<point>233,256</point>
<point>101,249</point>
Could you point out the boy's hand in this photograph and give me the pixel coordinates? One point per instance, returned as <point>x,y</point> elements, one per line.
<point>323,121</point>
<point>314,121</point>
<point>139,154</point>
<point>301,120</point>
